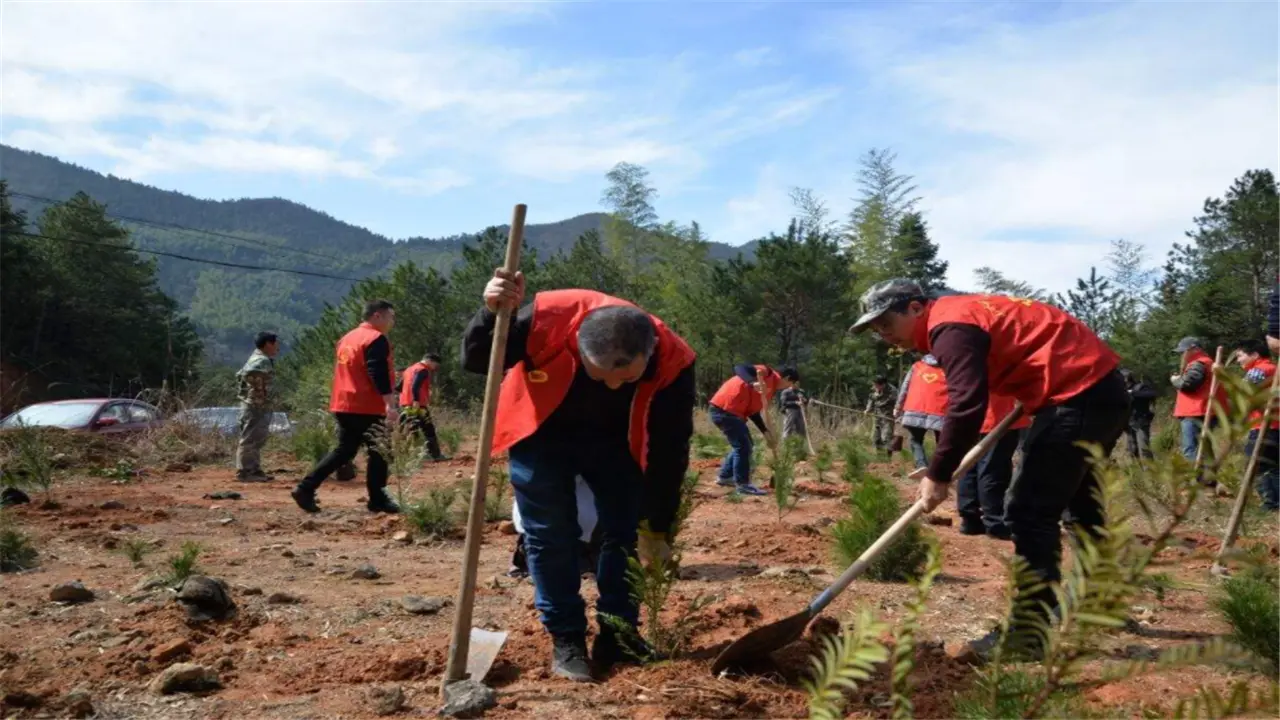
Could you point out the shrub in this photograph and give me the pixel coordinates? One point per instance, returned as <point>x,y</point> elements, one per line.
<point>496,506</point>
<point>706,445</point>
<point>136,550</point>
<point>313,437</point>
<point>783,465</point>
<point>183,565</point>
<point>823,461</point>
<point>16,550</point>
<point>30,463</point>
<point>874,506</point>
<point>450,439</point>
<point>432,514</point>
<point>855,459</point>
<point>1250,603</point>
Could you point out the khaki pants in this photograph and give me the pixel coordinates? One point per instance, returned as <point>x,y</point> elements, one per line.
<point>255,426</point>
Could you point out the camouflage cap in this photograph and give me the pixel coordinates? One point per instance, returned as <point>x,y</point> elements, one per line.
<point>1187,343</point>
<point>882,296</point>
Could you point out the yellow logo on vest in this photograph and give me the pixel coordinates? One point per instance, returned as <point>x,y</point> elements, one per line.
<point>537,376</point>
<point>929,377</point>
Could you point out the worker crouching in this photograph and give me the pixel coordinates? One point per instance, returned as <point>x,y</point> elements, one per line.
<point>599,388</point>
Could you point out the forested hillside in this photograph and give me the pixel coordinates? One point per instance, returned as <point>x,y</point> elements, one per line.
<point>228,305</point>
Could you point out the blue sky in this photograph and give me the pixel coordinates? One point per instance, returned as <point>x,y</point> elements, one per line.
<point>1037,132</point>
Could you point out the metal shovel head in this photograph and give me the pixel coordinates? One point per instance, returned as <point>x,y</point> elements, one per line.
<point>482,651</point>
<point>762,641</point>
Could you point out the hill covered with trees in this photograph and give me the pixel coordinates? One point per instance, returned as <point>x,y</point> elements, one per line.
<point>228,305</point>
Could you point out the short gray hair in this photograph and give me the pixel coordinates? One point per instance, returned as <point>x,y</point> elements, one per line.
<point>613,337</point>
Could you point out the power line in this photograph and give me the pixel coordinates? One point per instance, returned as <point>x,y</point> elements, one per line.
<point>188,258</point>
<point>175,226</point>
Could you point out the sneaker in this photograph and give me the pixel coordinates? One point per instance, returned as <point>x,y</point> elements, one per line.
<point>256,476</point>
<point>982,650</point>
<point>569,658</point>
<point>380,502</point>
<point>972,528</point>
<point>306,499</point>
<point>750,489</point>
<point>619,648</point>
<point>725,482</point>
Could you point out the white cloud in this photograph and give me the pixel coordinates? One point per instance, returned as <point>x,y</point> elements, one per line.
<point>350,90</point>
<point>1114,123</point>
<point>756,57</point>
<point>754,214</point>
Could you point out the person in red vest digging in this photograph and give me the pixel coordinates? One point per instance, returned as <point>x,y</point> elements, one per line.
<point>362,401</point>
<point>595,387</point>
<point>1193,385</point>
<point>745,396</point>
<point>981,491</point>
<point>415,402</point>
<point>922,404</point>
<point>1259,370</point>
<point>1035,353</point>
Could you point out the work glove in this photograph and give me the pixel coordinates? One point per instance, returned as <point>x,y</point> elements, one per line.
<point>653,546</point>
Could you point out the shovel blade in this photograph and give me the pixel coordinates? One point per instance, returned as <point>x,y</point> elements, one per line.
<point>483,650</point>
<point>763,640</point>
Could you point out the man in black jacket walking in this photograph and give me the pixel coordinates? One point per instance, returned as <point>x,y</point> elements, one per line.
<point>1138,433</point>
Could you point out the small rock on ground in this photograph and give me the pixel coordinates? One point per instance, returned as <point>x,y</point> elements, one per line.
<point>943,520</point>
<point>224,495</point>
<point>468,698</point>
<point>387,700</point>
<point>78,704</point>
<point>283,598</point>
<point>71,592</point>
<point>112,505</point>
<point>402,537</point>
<point>206,598</point>
<point>506,527</point>
<point>417,605</point>
<point>13,496</point>
<point>185,677</point>
<point>171,650</point>
<point>150,583</point>
<point>178,467</point>
<point>366,572</point>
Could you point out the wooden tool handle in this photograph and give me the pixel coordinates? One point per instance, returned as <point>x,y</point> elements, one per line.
<point>915,511</point>
<point>460,644</point>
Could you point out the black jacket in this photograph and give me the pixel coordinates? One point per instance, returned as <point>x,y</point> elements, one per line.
<point>1141,397</point>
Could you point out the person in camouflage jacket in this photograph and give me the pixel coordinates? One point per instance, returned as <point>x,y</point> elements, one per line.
<point>255,407</point>
<point>881,404</point>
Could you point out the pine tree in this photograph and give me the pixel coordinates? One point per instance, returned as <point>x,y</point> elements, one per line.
<point>1092,302</point>
<point>916,256</point>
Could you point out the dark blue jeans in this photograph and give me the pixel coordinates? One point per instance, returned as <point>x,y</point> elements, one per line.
<point>1268,473</point>
<point>737,464</point>
<point>542,474</point>
<point>980,493</point>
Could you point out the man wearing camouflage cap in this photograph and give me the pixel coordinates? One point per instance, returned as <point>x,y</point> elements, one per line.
<point>1021,348</point>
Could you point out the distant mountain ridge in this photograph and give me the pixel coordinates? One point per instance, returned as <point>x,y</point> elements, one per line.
<point>268,231</point>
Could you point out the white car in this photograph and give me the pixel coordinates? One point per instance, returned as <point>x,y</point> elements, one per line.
<point>227,420</point>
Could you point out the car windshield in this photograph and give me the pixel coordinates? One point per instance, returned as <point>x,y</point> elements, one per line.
<point>63,415</point>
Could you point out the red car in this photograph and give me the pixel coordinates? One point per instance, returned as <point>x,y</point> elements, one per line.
<point>99,415</point>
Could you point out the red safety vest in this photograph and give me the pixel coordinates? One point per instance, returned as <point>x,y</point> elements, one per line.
<point>1268,369</point>
<point>927,390</point>
<point>1193,404</point>
<point>353,390</point>
<point>737,396</point>
<point>530,394</point>
<point>406,385</point>
<point>998,406</point>
<point>1039,354</point>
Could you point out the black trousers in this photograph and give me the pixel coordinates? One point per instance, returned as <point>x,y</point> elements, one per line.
<point>1138,435</point>
<point>353,431</point>
<point>422,424</point>
<point>980,494</point>
<point>1056,476</point>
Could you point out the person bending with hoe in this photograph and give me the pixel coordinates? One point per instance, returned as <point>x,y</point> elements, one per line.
<point>595,387</point>
<point>362,402</point>
<point>744,397</point>
<point>415,402</point>
<point>1061,372</point>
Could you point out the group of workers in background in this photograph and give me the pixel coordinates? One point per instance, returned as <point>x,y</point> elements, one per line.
<point>597,405</point>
